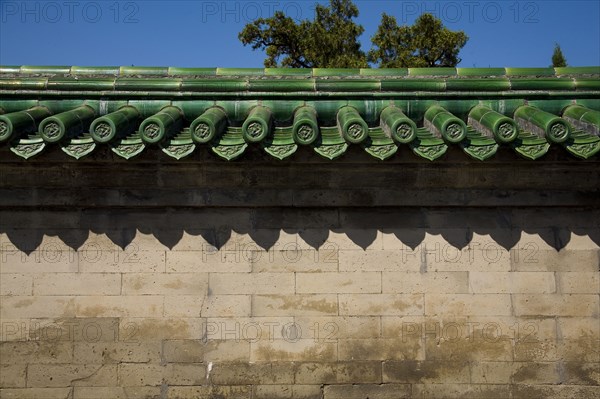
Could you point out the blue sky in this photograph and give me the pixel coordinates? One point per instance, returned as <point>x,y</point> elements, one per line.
<point>204,33</point>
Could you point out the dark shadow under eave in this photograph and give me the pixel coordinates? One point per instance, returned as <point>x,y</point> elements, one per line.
<point>26,229</point>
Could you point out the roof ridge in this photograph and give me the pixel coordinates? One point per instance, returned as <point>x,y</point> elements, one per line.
<point>300,72</point>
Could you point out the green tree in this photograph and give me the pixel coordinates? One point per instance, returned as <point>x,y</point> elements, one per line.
<point>427,43</point>
<point>558,59</point>
<point>328,41</point>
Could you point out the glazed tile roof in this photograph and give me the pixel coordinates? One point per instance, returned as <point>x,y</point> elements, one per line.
<point>225,110</point>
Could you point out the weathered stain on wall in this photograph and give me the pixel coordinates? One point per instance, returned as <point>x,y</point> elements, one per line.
<point>294,321</point>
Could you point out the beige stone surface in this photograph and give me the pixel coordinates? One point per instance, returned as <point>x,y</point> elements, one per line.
<point>24,307</point>
<point>338,283</point>
<point>158,329</point>
<point>483,372</point>
<point>222,306</point>
<point>52,255</point>
<point>292,321</point>
<point>66,375</point>
<point>130,260</point>
<point>292,349</point>
<point>380,349</point>
<point>209,392</point>
<point>468,304</point>
<point>512,282</point>
<point>381,304</point>
<point>251,283</point>
<point>579,282</point>
<point>466,391</point>
<point>481,254</point>
<point>400,260</point>
<point>36,393</point>
<point>342,372</point>
<point>136,374</point>
<point>428,282</point>
<point>119,306</point>
<point>293,259</point>
<point>296,391</point>
<point>206,350</point>
<point>16,284</point>
<point>263,373</point>
<point>13,375</point>
<point>117,352</point>
<point>330,328</point>
<point>116,392</point>
<point>176,284</point>
<point>574,328</point>
<point>77,284</point>
<point>579,305</point>
<point>533,258</point>
<point>250,329</point>
<point>295,305</point>
<point>371,391</point>
<point>209,260</point>
<point>45,351</point>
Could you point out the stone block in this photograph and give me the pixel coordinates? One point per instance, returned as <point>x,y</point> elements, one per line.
<point>295,305</point>
<point>69,375</point>
<point>337,283</point>
<point>381,304</point>
<point>251,283</point>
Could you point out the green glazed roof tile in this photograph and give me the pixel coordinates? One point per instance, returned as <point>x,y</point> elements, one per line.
<point>583,145</point>
<point>23,84</point>
<point>530,71</point>
<point>133,70</point>
<point>413,85</point>
<point>214,85</point>
<point>59,83</point>
<point>469,84</point>
<point>180,146</point>
<point>28,147</point>
<point>348,85</point>
<point>587,84</point>
<point>231,145</point>
<point>174,71</point>
<point>10,69</point>
<point>384,72</point>
<point>380,145</point>
<point>432,71</point>
<point>480,71</point>
<point>129,147</point>
<point>95,70</point>
<point>284,85</point>
<point>532,151</point>
<point>321,108</point>
<point>336,72</point>
<point>240,72</point>
<point>79,147</point>
<point>148,84</point>
<point>427,145</point>
<point>592,70</point>
<point>306,72</point>
<point>478,145</point>
<point>282,144</point>
<point>39,70</point>
<point>542,84</point>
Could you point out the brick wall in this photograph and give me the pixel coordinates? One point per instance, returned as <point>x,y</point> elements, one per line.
<point>384,320</point>
<point>452,289</point>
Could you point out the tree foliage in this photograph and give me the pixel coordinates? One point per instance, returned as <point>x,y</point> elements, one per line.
<point>427,43</point>
<point>558,59</point>
<point>329,41</point>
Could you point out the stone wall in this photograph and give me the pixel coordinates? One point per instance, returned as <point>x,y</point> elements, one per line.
<point>157,301</point>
